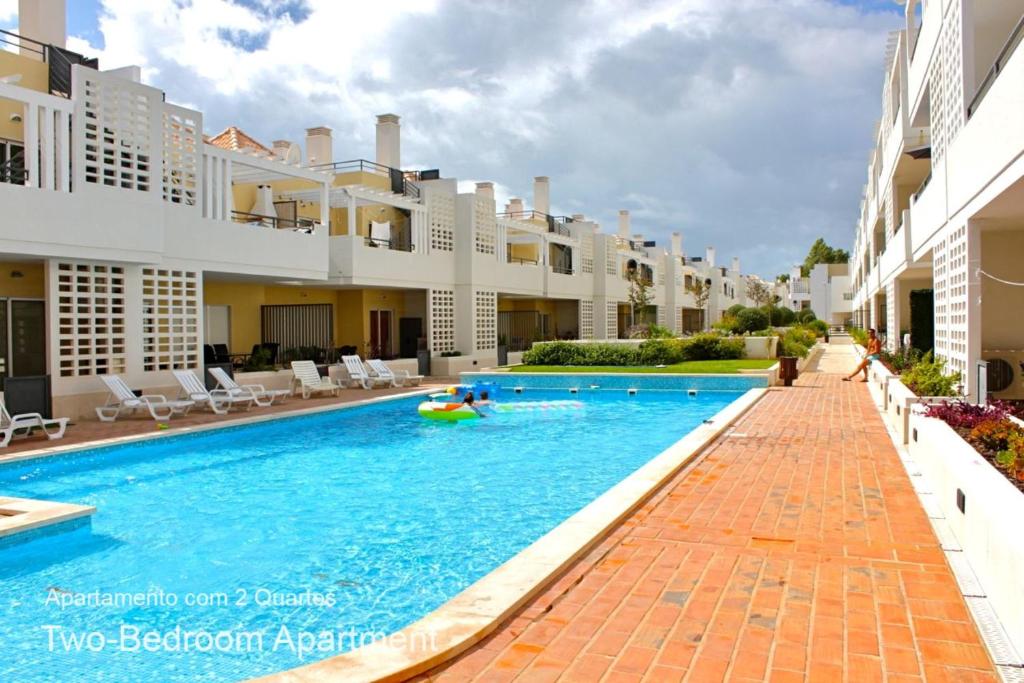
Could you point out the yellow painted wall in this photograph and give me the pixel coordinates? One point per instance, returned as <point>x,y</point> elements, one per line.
<point>34,76</point>
<point>31,284</point>
<point>351,309</point>
<point>527,252</point>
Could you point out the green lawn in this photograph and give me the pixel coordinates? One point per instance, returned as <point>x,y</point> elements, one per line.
<point>717,367</point>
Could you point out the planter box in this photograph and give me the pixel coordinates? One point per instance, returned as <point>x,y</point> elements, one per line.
<point>879,377</point>
<point>454,365</point>
<point>899,402</point>
<point>760,347</point>
<point>983,511</point>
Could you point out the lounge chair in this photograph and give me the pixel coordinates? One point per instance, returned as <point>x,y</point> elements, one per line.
<point>121,400</point>
<point>24,423</point>
<point>358,373</point>
<point>218,400</point>
<point>310,381</point>
<point>260,396</point>
<point>397,378</point>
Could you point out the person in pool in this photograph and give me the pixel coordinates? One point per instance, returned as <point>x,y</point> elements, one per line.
<point>470,401</point>
<point>485,399</point>
<point>874,349</point>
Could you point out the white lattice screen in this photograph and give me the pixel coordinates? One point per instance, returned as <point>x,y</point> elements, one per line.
<point>662,316</point>
<point>170,319</point>
<point>441,210</point>
<point>442,320</point>
<point>586,319</point>
<point>956,299</point>
<point>679,320</point>
<point>892,323</point>
<point>660,270</point>
<point>611,320</point>
<point>181,145</point>
<point>587,251</point>
<point>486,309</point>
<point>611,258</point>
<point>91,336</point>
<point>115,118</point>
<point>940,290</point>
<point>946,87</point>
<point>486,225</point>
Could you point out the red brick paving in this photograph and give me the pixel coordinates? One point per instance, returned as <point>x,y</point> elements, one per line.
<point>794,550</point>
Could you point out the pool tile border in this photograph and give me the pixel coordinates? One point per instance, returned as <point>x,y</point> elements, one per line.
<point>476,612</point>
<point>196,429</point>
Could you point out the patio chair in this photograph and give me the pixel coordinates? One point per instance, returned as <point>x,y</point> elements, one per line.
<point>361,376</point>
<point>122,400</point>
<point>24,423</point>
<point>261,396</point>
<point>218,400</point>
<point>309,379</point>
<point>397,378</point>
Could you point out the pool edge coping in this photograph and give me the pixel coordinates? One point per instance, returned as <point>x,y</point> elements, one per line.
<point>68,449</point>
<point>480,609</point>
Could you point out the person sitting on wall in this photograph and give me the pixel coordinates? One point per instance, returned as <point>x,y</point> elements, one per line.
<point>874,349</point>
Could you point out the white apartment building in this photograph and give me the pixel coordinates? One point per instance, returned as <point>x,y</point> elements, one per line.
<point>943,208</point>
<point>826,291</point>
<point>132,243</point>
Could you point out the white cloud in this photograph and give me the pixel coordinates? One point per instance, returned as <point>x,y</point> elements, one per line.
<point>8,10</point>
<point>726,120</point>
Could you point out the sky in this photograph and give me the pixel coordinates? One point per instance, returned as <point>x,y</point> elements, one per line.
<point>743,124</point>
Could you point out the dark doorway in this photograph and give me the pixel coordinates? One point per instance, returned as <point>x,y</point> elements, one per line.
<point>410,331</point>
<point>28,338</point>
<point>380,334</point>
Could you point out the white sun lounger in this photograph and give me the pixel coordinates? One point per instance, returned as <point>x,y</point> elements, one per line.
<point>358,373</point>
<point>23,424</point>
<point>397,378</point>
<point>309,379</point>
<point>121,400</point>
<point>261,396</point>
<point>219,401</point>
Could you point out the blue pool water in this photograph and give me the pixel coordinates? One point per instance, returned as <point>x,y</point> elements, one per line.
<point>351,522</point>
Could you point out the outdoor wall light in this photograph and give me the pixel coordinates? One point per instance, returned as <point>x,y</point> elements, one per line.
<point>16,118</point>
<point>17,273</point>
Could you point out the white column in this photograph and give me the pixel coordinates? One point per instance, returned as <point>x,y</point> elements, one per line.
<point>973,306</point>
<point>31,124</point>
<point>46,150</point>
<point>63,152</point>
<point>351,215</point>
<point>325,207</point>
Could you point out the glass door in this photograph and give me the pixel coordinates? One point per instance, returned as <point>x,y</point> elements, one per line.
<point>380,334</point>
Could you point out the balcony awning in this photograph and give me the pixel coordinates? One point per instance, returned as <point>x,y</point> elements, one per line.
<point>924,152</point>
<point>250,168</point>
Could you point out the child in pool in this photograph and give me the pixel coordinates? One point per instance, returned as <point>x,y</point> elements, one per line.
<point>469,400</point>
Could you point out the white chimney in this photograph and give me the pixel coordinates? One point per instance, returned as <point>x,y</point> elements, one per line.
<point>624,224</point>
<point>42,20</point>
<point>578,217</point>
<point>794,273</point>
<point>287,151</point>
<point>515,205</point>
<point>677,244</point>
<point>389,147</point>
<point>319,146</point>
<point>264,204</point>
<point>542,194</point>
<point>709,256</point>
<point>735,264</point>
<point>485,190</point>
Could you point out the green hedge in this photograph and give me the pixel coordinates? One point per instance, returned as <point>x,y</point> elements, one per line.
<point>651,352</point>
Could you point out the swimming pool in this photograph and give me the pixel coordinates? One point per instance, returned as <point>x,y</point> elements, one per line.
<point>350,522</point>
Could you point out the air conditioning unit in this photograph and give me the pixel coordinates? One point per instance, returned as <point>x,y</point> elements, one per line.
<point>1005,373</point>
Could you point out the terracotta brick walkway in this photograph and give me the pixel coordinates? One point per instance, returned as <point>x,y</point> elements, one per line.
<point>794,550</point>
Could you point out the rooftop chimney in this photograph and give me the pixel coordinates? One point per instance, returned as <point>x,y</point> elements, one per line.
<point>319,146</point>
<point>485,190</point>
<point>42,20</point>
<point>542,194</point>
<point>735,264</point>
<point>287,151</point>
<point>677,244</point>
<point>624,224</point>
<point>515,205</point>
<point>389,148</point>
<point>709,256</point>
<point>578,217</point>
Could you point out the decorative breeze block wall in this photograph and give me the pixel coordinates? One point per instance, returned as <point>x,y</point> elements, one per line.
<point>170,319</point>
<point>441,210</point>
<point>611,320</point>
<point>587,251</point>
<point>679,320</point>
<point>486,323</point>
<point>484,237</point>
<point>91,337</point>
<point>586,319</point>
<point>181,149</point>
<point>442,320</point>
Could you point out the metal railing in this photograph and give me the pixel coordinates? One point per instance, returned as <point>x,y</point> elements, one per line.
<point>307,225</point>
<point>393,245</point>
<point>924,184</point>
<point>524,215</point>
<point>1004,54</point>
<point>13,171</point>
<point>400,182</point>
<point>521,261</point>
<point>59,60</point>
<point>562,270</point>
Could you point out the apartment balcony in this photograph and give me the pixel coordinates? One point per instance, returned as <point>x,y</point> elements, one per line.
<point>928,212</point>
<point>922,51</point>
<point>896,257</point>
<point>567,282</point>
<point>993,137</point>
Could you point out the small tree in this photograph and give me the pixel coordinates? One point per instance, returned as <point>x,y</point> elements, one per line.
<point>701,291</point>
<point>640,296</point>
<point>759,292</point>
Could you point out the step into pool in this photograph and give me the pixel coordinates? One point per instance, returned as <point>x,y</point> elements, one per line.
<point>230,549</point>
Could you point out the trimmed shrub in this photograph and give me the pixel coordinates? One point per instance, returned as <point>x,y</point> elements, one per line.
<point>728,325</point>
<point>781,317</point>
<point>708,346</point>
<point>820,327</point>
<point>750,319</point>
<point>805,315</point>
<point>735,309</point>
<point>928,378</point>
<point>662,351</point>
<point>730,349</point>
